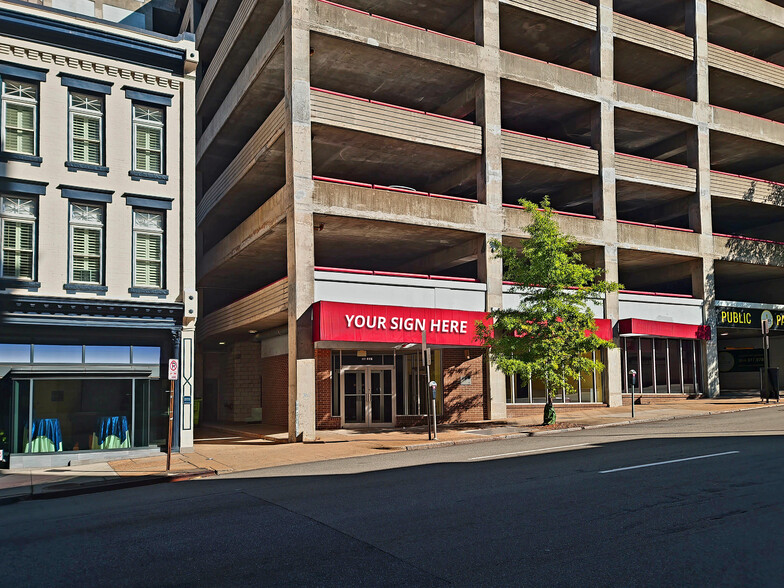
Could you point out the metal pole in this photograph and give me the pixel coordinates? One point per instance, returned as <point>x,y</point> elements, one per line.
<point>171,425</point>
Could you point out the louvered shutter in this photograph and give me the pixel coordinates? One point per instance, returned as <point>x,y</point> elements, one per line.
<point>148,149</point>
<point>86,139</point>
<point>18,249</point>
<point>86,255</point>
<point>20,128</point>
<point>148,260</point>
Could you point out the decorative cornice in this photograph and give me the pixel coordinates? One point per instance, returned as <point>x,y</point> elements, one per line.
<point>85,65</point>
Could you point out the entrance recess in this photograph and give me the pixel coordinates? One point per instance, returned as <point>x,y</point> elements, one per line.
<point>368,396</point>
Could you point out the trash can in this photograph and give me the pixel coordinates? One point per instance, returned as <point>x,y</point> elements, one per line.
<point>196,410</point>
<point>773,383</point>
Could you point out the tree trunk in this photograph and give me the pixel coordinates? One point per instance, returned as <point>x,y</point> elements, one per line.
<point>549,412</point>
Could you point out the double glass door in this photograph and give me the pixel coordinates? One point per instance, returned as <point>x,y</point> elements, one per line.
<point>368,396</point>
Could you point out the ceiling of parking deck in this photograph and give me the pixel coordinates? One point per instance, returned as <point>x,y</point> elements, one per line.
<point>742,32</point>
<point>660,272</point>
<point>377,245</point>
<point>569,191</point>
<point>222,14</point>
<point>745,282</point>
<point>546,113</point>
<point>453,17</point>
<point>374,159</point>
<point>265,178</point>
<point>657,204</point>
<point>650,136</point>
<point>648,68</point>
<point>245,44</point>
<point>670,14</point>
<point>386,76</point>
<point>739,217</point>
<point>544,38</point>
<point>746,95</point>
<point>738,155</point>
<point>263,96</point>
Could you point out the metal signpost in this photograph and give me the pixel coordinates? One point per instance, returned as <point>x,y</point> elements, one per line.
<point>766,321</point>
<point>431,414</point>
<point>433,387</point>
<point>174,368</point>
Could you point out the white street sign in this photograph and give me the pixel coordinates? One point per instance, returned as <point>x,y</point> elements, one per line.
<point>174,368</point>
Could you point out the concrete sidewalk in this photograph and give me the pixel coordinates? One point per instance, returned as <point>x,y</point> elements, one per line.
<point>222,449</point>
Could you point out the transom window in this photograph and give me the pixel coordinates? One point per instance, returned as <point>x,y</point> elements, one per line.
<point>17,224</point>
<point>148,249</point>
<point>86,128</point>
<point>20,105</point>
<point>87,222</point>
<point>148,139</point>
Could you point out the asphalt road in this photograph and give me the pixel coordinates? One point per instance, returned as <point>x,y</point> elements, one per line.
<point>572,509</point>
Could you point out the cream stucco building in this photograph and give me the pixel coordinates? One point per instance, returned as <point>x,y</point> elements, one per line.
<point>97,217</point>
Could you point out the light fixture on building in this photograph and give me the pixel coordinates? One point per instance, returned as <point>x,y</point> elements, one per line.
<point>723,334</point>
<point>221,342</point>
<point>252,331</point>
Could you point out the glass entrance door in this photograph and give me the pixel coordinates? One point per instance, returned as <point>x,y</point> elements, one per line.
<point>368,396</point>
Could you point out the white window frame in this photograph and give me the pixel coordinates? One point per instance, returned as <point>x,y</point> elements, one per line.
<point>160,126</point>
<point>149,231</point>
<point>22,101</point>
<point>76,110</point>
<point>73,224</point>
<point>19,217</point>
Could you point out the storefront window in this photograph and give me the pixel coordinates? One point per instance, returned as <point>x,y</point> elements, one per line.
<point>673,364</point>
<point>413,399</point>
<point>107,354</point>
<point>57,354</point>
<point>519,391</point>
<point>12,353</point>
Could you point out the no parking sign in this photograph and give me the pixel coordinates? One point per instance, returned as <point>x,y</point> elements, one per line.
<point>174,368</point>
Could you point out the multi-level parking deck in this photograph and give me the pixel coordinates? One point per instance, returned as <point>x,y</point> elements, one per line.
<point>385,141</point>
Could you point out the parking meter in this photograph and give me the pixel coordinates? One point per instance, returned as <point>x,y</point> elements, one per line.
<point>433,389</point>
<point>632,386</point>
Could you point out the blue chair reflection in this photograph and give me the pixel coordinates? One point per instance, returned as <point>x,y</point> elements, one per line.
<point>112,433</point>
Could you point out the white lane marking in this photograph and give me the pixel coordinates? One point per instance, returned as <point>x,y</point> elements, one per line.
<point>529,451</point>
<point>658,463</point>
<point>219,439</point>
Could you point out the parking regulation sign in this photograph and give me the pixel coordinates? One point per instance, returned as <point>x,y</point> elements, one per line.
<point>174,368</point>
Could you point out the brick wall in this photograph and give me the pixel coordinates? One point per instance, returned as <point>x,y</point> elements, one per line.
<point>275,395</point>
<point>464,385</point>
<point>324,418</point>
<point>245,367</point>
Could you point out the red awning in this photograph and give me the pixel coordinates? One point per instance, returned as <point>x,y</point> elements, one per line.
<point>647,328</point>
<point>604,329</point>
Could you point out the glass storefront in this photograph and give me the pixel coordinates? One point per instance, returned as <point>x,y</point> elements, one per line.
<point>71,411</point>
<point>665,366</point>
<point>588,388</point>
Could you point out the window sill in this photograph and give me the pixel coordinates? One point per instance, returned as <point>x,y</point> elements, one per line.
<point>76,166</point>
<point>8,156</point>
<point>15,283</point>
<point>85,288</point>
<point>142,175</point>
<point>148,291</point>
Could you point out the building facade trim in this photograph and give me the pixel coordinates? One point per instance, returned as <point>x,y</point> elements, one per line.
<point>21,72</point>
<point>85,194</point>
<point>79,83</point>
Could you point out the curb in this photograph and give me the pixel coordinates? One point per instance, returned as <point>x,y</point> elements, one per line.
<point>440,444</point>
<point>105,486</point>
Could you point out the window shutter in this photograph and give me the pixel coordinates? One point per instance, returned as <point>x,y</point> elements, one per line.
<point>20,128</point>
<point>18,249</point>
<point>86,139</point>
<point>148,149</point>
<point>86,254</point>
<point>148,260</point>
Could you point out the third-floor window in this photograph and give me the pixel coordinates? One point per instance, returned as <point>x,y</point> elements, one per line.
<point>86,128</point>
<point>20,117</point>
<point>148,139</point>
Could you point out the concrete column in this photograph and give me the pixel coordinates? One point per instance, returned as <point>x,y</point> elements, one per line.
<point>703,284</point>
<point>489,180</point>
<point>603,140</point>
<point>299,226</point>
<point>700,214</point>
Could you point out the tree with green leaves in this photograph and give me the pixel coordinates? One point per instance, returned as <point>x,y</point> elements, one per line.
<point>552,333</point>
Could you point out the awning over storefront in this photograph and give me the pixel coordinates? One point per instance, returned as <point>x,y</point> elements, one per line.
<point>604,329</point>
<point>364,323</point>
<point>648,328</point>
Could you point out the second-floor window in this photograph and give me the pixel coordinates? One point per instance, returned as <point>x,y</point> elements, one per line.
<point>86,229</point>
<point>20,117</point>
<point>17,225</point>
<point>147,249</point>
<point>148,139</point>
<point>85,113</point>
